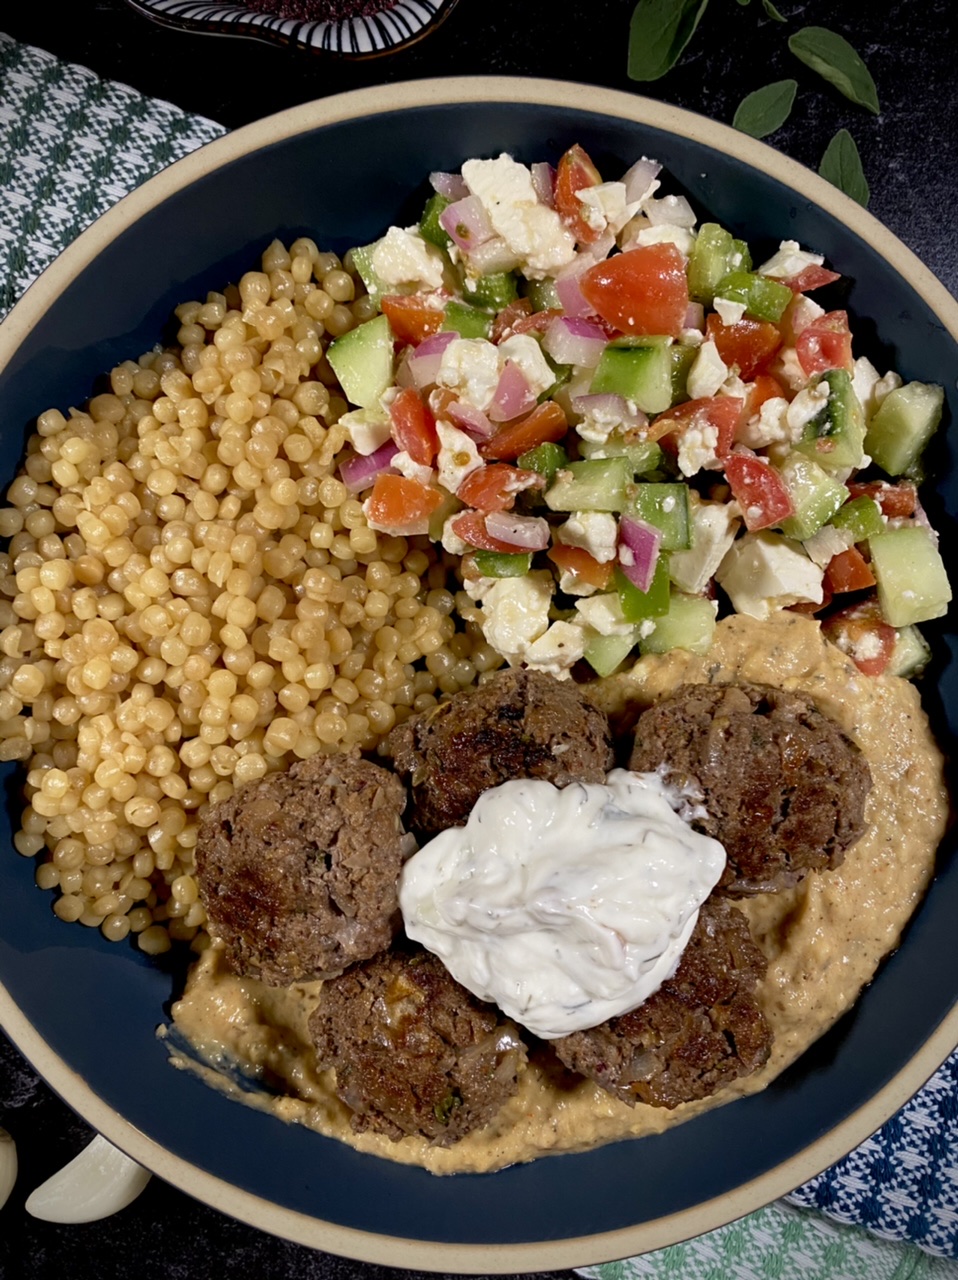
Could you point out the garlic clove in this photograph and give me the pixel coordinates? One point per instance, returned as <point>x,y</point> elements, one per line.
<point>8,1166</point>
<point>100,1181</point>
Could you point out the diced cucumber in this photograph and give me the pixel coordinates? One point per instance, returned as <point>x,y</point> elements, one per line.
<point>902,425</point>
<point>597,484</point>
<point>503,564</point>
<point>546,459</point>
<point>910,655</point>
<point>362,360</point>
<point>467,321</point>
<point>543,296</point>
<point>763,298</point>
<point>741,256</point>
<point>448,507</point>
<point>430,228</point>
<point>912,582</point>
<point>644,455</point>
<point>815,495</point>
<point>640,369</point>
<point>666,506</point>
<point>861,517</point>
<point>689,624</point>
<point>835,437</point>
<point>710,261</point>
<point>496,290</point>
<point>605,653</point>
<point>639,606</point>
<point>682,357</point>
<point>362,257</point>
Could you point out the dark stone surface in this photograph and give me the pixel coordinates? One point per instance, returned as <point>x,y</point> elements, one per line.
<point>910,155</point>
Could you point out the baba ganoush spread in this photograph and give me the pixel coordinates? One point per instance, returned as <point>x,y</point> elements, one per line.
<point>823,939</point>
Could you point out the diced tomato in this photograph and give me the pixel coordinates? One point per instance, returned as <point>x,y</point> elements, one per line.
<point>508,317</point>
<point>546,422</point>
<point>825,344</point>
<point>849,571</point>
<point>811,277</point>
<point>585,566</point>
<point>471,527</point>
<point>400,506</point>
<point>897,501</point>
<point>537,322</point>
<point>748,344</point>
<point>759,490</point>
<point>642,291</point>
<point>719,412</point>
<point>410,317</point>
<point>575,172</point>
<point>494,488</point>
<point>862,633</point>
<point>763,388</point>
<point>414,427</point>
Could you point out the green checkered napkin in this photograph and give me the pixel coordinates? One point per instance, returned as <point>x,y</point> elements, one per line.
<point>70,146</point>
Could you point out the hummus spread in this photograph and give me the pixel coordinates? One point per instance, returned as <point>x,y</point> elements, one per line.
<point>824,938</point>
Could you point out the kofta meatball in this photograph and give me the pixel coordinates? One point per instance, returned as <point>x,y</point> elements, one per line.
<point>299,872</point>
<point>700,1031</point>
<point>520,724</point>
<point>783,787</point>
<point>413,1051</point>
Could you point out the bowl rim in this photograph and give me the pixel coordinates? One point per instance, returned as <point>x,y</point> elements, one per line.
<point>255,1210</point>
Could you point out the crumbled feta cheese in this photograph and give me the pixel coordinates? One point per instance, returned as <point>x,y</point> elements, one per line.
<point>458,456</point>
<point>697,447</point>
<point>891,382</point>
<point>707,372</point>
<point>809,402</point>
<point>729,312</point>
<point>403,257</point>
<point>763,572</point>
<point>802,311</point>
<point>768,426</point>
<point>572,585</point>
<point>558,649</point>
<point>366,430</point>
<point>471,368</point>
<point>605,206</point>
<point>515,612</point>
<point>599,423</point>
<point>604,614</point>
<point>734,386</point>
<point>534,232</point>
<point>714,526</point>
<point>788,369</point>
<point>673,211</point>
<point>692,337</point>
<point>870,388</point>
<point>665,233</point>
<point>412,470</point>
<point>475,588</point>
<point>523,350</point>
<point>594,531</point>
<point>789,260</point>
<point>457,546</point>
<point>828,542</point>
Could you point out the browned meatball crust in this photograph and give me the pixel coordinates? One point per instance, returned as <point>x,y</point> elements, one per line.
<point>700,1031</point>
<point>414,1052</point>
<point>783,786</point>
<point>298,873</point>
<point>520,724</point>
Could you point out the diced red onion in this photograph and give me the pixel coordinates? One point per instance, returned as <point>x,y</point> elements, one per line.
<point>600,249</point>
<point>638,550</point>
<point>423,363</point>
<point>606,405</point>
<point>467,222</point>
<point>694,317</point>
<point>513,394</point>
<point>450,185</point>
<point>568,292</point>
<point>529,533</point>
<point>491,256</point>
<point>470,420</point>
<point>358,473</point>
<point>544,181</point>
<point>674,211</point>
<point>639,178</point>
<point>575,340</point>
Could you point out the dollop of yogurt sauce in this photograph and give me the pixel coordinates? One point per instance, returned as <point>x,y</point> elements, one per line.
<point>567,906</point>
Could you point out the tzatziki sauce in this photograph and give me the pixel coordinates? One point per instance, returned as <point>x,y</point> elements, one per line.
<point>563,906</point>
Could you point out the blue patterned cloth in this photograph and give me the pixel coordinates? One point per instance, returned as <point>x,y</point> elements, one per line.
<point>902,1184</point>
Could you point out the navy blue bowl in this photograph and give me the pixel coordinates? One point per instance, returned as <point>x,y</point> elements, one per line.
<point>85,1011</point>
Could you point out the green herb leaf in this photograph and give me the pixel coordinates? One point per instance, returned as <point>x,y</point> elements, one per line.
<point>772,11</point>
<point>762,112</point>
<point>842,167</point>
<point>744,2</point>
<point>837,62</point>
<point>658,32</point>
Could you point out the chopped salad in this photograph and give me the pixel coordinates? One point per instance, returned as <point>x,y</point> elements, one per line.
<point>617,421</point>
